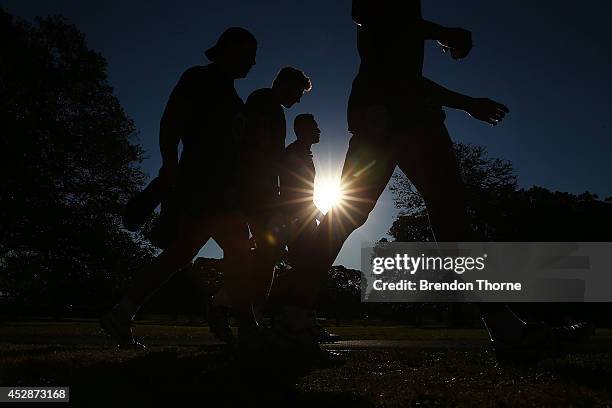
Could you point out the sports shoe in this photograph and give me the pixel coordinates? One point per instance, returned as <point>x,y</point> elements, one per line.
<point>219,323</point>
<point>308,352</point>
<point>574,332</point>
<point>305,321</point>
<point>300,328</point>
<point>322,358</point>
<point>120,331</point>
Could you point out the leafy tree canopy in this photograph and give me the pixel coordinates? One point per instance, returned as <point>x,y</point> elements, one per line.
<point>70,163</point>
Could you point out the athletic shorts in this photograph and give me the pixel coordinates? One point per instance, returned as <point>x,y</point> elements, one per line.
<point>379,107</point>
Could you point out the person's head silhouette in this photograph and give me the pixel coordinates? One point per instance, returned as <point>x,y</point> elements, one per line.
<point>234,52</point>
<point>306,129</point>
<point>290,84</point>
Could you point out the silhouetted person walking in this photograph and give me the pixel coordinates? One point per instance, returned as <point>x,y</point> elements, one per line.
<point>205,113</point>
<point>265,145</point>
<point>297,185</point>
<point>395,119</point>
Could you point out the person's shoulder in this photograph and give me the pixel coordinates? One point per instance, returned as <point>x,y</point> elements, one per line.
<point>291,147</point>
<point>196,78</point>
<point>261,101</point>
<point>292,151</point>
<point>263,95</point>
<point>197,72</point>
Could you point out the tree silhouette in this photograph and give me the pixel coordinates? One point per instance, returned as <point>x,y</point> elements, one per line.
<point>499,211</point>
<point>488,181</point>
<point>341,295</point>
<point>69,164</point>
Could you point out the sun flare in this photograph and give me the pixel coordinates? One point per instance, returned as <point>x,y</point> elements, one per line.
<point>327,194</point>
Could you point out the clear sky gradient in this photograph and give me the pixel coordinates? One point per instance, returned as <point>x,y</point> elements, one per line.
<point>548,61</point>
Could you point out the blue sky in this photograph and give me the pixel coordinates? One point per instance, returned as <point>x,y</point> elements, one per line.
<point>548,61</point>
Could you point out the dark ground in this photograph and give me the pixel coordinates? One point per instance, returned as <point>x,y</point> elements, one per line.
<point>387,366</point>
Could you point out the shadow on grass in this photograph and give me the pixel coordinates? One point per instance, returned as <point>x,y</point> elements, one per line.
<point>215,378</point>
<point>593,371</point>
<point>103,376</point>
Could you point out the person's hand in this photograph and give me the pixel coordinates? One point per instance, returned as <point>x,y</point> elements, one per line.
<point>486,110</point>
<point>456,40</point>
<point>168,175</point>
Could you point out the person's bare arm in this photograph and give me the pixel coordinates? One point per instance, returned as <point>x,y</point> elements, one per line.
<point>169,138</point>
<point>171,128</point>
<point>430,30</point>
<point>454,39</point>
<point>483,109</point>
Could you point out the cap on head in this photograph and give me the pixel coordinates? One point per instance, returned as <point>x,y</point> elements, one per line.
<point>230,37</point>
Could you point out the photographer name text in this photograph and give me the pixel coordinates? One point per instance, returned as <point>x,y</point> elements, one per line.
<point>454,286</point>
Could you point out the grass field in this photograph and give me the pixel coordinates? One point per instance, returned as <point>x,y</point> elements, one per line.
<point>431,368</point>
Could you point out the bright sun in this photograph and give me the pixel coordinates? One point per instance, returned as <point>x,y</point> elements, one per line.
<point>327,194</point>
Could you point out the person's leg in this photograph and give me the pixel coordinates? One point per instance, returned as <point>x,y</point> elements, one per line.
<point>230,230</point>
<point>222,299</point>
<point>193,234</point>
<point>428,160</point>
<point>367,170</point>
<point>218,316</point>
<point>303,231</point>
<point>265,257</point>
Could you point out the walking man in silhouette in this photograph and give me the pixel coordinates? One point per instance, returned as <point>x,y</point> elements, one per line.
<point>265,144</point>
<point>297,184</point>
<point>205,113</point>
<point>395,119</point>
